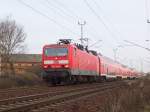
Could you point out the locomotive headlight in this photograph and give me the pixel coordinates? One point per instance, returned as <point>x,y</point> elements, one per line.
<point>48,62</point>
<point>63,61</point>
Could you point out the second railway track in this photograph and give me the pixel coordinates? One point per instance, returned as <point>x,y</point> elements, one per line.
<point>32,102</point>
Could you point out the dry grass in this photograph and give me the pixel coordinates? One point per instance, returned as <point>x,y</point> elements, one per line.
<point>135,98</point>
<point>24,79</point>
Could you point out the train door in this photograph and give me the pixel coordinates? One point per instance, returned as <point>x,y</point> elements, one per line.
<point>76,61</point>
<point>107,70</point>
<point>100,66</point>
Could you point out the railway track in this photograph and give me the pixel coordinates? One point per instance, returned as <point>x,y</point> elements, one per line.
<point>22,91</point>
<point>35,102</point>
<point>45,94</point>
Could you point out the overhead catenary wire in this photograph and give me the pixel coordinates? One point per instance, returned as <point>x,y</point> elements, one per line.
<point>73,15</point>
<point>61,12</point>
<point>147,61</point>
<point>57,11</point>
<point>66,9</point>
<point>135,44</point>
<point>106,18</point>
<point>64,13</point>
<point>47,17</point>
<point>147,10</point>
<point>60,9</point>
<point>100,19</point>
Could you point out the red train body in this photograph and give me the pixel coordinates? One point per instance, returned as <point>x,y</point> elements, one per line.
<point>68,62</point>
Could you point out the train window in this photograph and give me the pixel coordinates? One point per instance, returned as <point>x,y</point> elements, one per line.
<point>56,51</point>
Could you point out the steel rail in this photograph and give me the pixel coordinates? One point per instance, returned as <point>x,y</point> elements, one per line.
<point>71,101</point>
<point>26,106</point>
<point>43,95</point>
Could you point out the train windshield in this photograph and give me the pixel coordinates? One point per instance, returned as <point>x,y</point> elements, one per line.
<point>56,51</point>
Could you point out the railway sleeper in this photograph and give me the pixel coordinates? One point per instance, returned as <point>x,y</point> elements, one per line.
<point>69,101</point>
<point>56,99</point>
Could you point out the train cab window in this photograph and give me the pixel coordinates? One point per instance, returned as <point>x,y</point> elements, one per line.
<point>56,51</point>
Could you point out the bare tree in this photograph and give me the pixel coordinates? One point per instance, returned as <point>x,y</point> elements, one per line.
<point>12,39</point>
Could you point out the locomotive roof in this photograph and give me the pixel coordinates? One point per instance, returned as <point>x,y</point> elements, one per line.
<point>59,45</point>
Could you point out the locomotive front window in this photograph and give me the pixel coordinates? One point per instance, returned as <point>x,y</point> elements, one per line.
<point>56,51</point>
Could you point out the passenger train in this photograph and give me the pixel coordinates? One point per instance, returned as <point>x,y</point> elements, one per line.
<point>66,62</point>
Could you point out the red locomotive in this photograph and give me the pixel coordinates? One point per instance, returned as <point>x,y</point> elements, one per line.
<point>67,62</point>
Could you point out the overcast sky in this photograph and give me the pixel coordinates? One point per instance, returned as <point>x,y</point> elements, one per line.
<point>111,21</point>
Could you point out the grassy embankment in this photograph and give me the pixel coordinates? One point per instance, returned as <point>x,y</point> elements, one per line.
<point>28,78</point>
<point>134,98</point>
